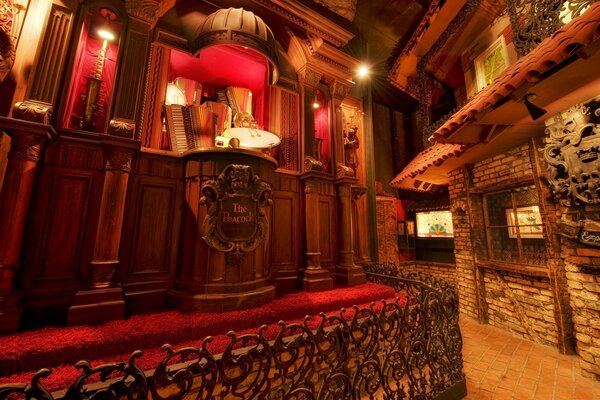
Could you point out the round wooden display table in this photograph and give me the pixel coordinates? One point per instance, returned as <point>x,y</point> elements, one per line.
<point>226,242</point>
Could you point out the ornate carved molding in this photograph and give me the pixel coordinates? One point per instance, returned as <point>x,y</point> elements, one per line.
<point>340,89</point>
<point>572,152</point>
<point>309,19</point>
<point>34,111</point>
<point>122,127</point>
<point>236,220</point>
<point>7,47</point>
<point>358,192</point>
<point>118,159</point>
<point>309,76</point>
<point>343,171</point>
<point>27,147</point>
<point>344,8</point>
<point>310,188</point>
<point>146,10</point>
<point>344,190</point>
<point>310,164</point>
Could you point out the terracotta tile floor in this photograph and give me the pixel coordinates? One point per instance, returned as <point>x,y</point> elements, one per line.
<point>501,366</point>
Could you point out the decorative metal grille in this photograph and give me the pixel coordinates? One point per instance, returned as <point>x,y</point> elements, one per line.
<point>515,232</point>
<point>533,21</point>
<point>405,349</point>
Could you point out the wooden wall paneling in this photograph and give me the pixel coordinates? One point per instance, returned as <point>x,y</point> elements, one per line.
<point>328,225</point>
<point>150,239</point>
<point>131,79</point>
<point>61,228</point>
<point>361,240</point>
<point>49,63</point>
<point>286,234</point>
<point>284,120</point>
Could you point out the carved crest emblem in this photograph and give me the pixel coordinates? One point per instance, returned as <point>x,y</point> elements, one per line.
<point>572,152</point>
<point>235,220</point>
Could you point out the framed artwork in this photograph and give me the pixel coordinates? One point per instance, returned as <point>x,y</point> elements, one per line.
<point>410,228</point>
<point>435,224</point>
<point>527,220</point>
<point>401,230</point>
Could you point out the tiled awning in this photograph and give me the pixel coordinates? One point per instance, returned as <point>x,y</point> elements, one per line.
<point>434,155</point>
<point>554,50</point>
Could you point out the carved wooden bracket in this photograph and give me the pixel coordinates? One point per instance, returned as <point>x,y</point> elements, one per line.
<point>311,164</point>
<point>309,76</point>
<point>236,220</point>
<point>572,152</point>
<point>121,127</point>
<point>34,111</point>
<point>343,171</point>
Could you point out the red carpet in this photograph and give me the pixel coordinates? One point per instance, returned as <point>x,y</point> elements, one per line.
<point>60,348</point>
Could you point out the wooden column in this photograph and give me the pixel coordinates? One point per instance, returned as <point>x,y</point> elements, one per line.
<point>315,277</point>
<point>23,159</point>
<point>103,300</point>
<point>346,272</point>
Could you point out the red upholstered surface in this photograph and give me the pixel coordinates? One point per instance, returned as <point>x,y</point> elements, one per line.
<point>59,348</point>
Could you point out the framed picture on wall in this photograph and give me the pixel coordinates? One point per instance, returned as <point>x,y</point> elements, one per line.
<point>401,230</point>
<point>410,228</point>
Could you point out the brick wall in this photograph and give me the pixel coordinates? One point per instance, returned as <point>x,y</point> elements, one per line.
<point>444,271</point>
<point>521,304</point>
<point>463,244</point>
<point>556,303</point>
<point>512,297</point>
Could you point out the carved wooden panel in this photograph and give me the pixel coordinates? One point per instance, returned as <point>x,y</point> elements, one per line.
<point>50,60</point>
<point>285,122</point>
<point>328,230</point>
<point>153,234</point>
<point>65,227</point>
<point>62,223</point>
<point>285,242</point>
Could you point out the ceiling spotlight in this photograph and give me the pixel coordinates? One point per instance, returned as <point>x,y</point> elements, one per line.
<point>315,105</point>
<point>363,71</point>
<point>534,111</point>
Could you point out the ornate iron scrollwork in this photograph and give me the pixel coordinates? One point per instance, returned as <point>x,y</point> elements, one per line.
<point>572,151</point>
<point>533,21</point>
<point>236,220</point>
<point>407,348</point>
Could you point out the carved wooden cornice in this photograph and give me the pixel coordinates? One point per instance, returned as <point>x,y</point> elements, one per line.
<point>118,159</point>
<point>343,8</point>
<point>124,128</point>
<point>309,20</point>
<point>316,54</point>
<point>145,10</point>
<point>34,111</point>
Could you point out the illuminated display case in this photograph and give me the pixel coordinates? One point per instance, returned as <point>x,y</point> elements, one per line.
<point>435,224</point>
<point>94,71</point>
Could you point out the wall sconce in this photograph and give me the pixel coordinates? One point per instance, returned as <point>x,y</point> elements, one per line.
<point>534,111</point>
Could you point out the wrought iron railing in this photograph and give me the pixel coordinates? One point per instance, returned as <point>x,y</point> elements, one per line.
<point>408,348</point>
